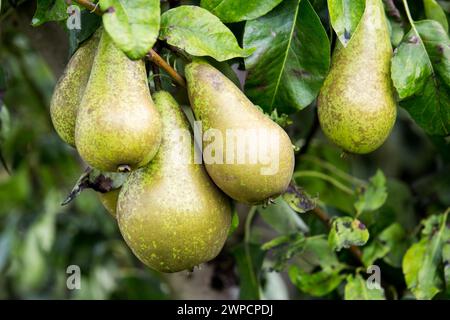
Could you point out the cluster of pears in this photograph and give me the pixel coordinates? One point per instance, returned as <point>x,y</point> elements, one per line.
<point>173,212</point>
<point>356,104</point>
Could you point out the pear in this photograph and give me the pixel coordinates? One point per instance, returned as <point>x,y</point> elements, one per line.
<point>109,200</point>
<point>70,88</point>
<point>356,105</point>
<point>118,127</point>
<point>246,154</point>
<point>170,213</point>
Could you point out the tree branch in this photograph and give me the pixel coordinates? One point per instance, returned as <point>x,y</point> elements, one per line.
<point>392,10</point>
<point>152,55</point>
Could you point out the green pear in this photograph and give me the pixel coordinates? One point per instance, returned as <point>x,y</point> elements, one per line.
<point>70,88</point>
<point>109,200</point>
<point>118,127</point>
<point>356,105</point>
<point>170,213</point>
<point>236,135</point>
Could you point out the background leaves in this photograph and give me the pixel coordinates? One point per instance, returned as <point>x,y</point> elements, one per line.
<point>292,57</point>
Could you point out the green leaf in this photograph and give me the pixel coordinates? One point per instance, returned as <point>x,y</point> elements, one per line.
<point>49,10</point>
<point>234,222</point>
<point>318,253</point>
<point>396,31</point>
<point>316,284</point>
<point>281,217</point>
<point>422,261</point>
<point>435,12</point>
<point>200,33</point>
<point>292,59</point>
<point>285,247</point>
<point>132,24</point>
<point>374,195</point>
<point>390,244</point>
<point>238,10</point>
<point>421,74</point>
<point>249,259</point>
<point>90,23</point>
<point>298,199</point>
<point>357,289</point>
<point>446,262</point>
<point>345,16</point>
<point>346,232</point>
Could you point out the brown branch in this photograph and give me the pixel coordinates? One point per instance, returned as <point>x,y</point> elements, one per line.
<point>156,58</point>
<point>152,55</point>
<point>392,10</point>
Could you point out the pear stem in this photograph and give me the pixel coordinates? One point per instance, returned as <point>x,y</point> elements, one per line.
<point>152,55</point>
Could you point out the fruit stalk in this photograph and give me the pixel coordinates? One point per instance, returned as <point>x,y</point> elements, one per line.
<point>152,55</point>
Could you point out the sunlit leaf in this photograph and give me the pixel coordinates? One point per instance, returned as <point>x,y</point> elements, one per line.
<point>132,24</point>
<point>200,33</point>
<point>346,232</point>
<point>357,289</point>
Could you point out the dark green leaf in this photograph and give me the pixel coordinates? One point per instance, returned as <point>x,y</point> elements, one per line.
<point>200,33</point>
<point>238,10</point>
<point>434,11</point>
<point>90,23</point>
<point>374,195</point>
<point>132,24</point>
<point>422,261</point>
<point>292,59</point>
<point>346,232</point>
<point>421,75</point>
<point>249,259</point>
<point>49,10</point>
<point>357,289</point>
<point>345,16</point>
<point>390,244</point>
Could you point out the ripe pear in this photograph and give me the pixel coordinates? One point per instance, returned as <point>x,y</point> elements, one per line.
<point>70,88</point>
<point>109,200</point>
<point>251,158</point>
<point>356,105</point>
<point>118,127</point>
<point>170,213</point>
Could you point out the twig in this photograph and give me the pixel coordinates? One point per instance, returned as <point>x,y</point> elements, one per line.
<point>152,55</point>
<point>392,10</point>
<point>156,58</point>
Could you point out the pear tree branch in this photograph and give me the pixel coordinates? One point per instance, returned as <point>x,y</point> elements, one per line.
<point>152,55</point>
